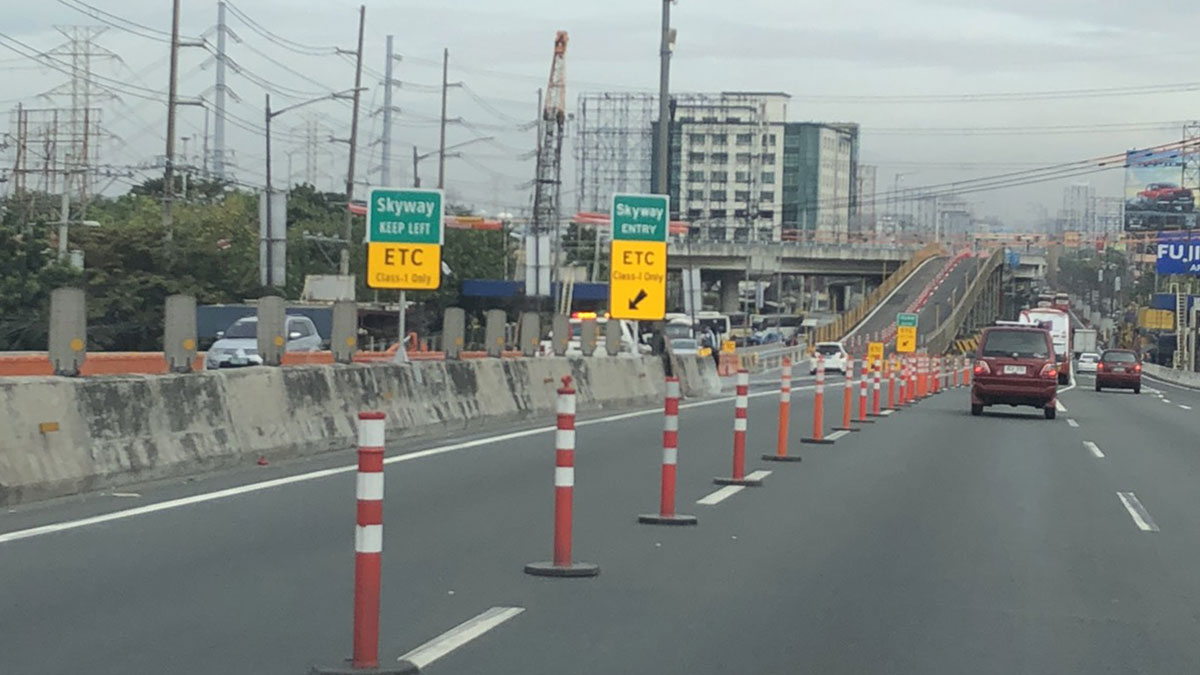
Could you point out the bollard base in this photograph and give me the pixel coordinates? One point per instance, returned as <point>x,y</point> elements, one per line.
<point>781,458</point>
<point>864,421</point>
<point>399,668</point>
<point>659,519</point>
<point>847,429</point>
<point>878,414</point>
<point>575,569</point>
<point>744,482</point>
<point>817,441</point>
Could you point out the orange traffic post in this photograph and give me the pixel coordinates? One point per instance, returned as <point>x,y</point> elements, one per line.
<point>818,435</point>
<point>847,398</point>
<point>865,375</point>
<point>785,415</point>
<point>891,372</point>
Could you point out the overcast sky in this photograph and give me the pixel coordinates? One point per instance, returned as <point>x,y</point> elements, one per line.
<point>500,49</point>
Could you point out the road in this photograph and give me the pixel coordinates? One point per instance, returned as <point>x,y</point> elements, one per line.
<point>885,316</point>
<point>930,542</point>
<point>940,302</point>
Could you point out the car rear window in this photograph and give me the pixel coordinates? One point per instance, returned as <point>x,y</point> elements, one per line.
<point>1023,343</point>
<point>828,350</point>
<point>1120,357</point>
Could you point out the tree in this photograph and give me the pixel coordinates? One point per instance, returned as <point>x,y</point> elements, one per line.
<point>29,271</point>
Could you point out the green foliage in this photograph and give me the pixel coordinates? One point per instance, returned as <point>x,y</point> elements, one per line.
<point>131,265</point>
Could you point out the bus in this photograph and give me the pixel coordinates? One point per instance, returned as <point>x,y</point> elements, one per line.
<point>1059,324</point>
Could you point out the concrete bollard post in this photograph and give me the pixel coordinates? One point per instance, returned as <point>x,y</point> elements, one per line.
<point>588,337</point>
<point>454,330</point>
<point>530,331</point>
<point>272,330</point>
<point>495,321</point>
<point>68,331</point>
<point>560,334</point>
<point>343,339</point>
<point>179,333</point>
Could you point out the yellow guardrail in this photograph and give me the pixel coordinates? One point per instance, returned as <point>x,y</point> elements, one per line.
<point>846,321</point>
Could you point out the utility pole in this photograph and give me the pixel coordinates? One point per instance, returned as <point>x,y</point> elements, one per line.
<point>219,103</point>
<point>385,170</point>
<point>664,86</point>
<point>347,230</point>
<point>172,93</point>
<point>270,229</point>
<point>416,176</point>
<point>442,142</point>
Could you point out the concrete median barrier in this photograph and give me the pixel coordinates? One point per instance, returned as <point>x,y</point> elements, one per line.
<point>70,435</point>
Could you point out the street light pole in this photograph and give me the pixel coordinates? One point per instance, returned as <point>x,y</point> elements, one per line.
<point>664,86</point>
<point>270,265</point>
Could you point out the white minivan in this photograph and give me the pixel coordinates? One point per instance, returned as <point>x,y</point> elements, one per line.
<point>833,355</point>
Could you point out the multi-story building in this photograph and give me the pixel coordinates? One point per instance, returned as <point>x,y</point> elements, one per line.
<point>1078,212</point>
<point>740,171</point>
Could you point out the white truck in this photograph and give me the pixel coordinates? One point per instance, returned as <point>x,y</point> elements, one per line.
<point>1085,341</point>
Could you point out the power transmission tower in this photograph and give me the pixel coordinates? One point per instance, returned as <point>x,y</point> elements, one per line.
<point>442,143</point>
<point>1191,156</point>
<point>219,158</point>
<point>77,131</point>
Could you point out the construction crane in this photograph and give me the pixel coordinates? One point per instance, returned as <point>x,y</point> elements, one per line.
<point>549,164</point>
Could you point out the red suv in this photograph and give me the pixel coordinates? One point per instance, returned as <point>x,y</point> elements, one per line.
<point>1015,366</point>
<point>1119,369</point>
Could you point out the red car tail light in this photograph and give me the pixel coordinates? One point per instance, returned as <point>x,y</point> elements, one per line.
<point>1049,370</point>
<point>1137,368</point>
<point>1100,366</point>
<point>982,368</point>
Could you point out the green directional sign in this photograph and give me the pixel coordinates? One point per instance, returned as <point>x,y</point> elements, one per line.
<point>640,217</point>
<point>405,216</point>
<point>906,320</point>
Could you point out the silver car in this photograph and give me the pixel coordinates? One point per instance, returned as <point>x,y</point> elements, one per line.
<point>238,346</point>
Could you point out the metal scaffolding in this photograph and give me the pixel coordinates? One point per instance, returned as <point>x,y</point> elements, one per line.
<point>614,146</point>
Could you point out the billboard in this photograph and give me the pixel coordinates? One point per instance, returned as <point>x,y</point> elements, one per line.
<point>1178,254</point>
<point>1154,199</point>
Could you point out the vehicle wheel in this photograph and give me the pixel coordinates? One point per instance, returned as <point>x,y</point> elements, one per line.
<point>1051,412</point>
<point>1137,390</point>
<point>976,409</point>
<point>1064,378</point>
<point>1097,386</point>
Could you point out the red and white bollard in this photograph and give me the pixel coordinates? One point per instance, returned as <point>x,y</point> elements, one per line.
<point>740,424</point>
<point>848,397</point>
<point>785,416</point>
<point>891,366</point>
<point>862,393</point>
<point>564,494</point>
<point>937,376</point>
<point>818,435</point>
<point>368,539</point>
<point>666,509</point>
<point>876,393</point>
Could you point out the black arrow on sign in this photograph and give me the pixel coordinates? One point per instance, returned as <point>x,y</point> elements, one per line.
<point>633,304</point>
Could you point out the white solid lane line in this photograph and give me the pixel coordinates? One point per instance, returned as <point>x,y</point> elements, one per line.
<point>757,475</point>
<point>1061,408</point>
<point>1165,400</point>
<point>459,635</point>
<point>720,495</point>
<point>836,435</point>
<point>1094,448</point>
<point>1185,407</point>
<point>1141,517</point>
<point>1072,423</point>
<point>325,473</point>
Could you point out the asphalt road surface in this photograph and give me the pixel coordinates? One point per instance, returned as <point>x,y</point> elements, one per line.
<point>929,542</point>
<point>885,316</point>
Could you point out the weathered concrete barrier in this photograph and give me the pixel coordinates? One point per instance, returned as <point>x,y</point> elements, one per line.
<point>1181,377</point>
<point>66,435</point>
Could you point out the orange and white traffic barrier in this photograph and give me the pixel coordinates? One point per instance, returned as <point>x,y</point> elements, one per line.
<point>666,510</point>
<point>818,434</point>
<point>875,393</point>
<point>937,375</point>
<point>891,371</point>
<point>564,494</point>
<point>847,397</point>
<point>862,393</point>
<point>740,424</point>
<point>785,416</point>
<point>368,539</point>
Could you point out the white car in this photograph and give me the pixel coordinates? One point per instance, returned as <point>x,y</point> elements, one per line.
<point>237,347</point>
<point>1087,362</point>
<point>833,354</point>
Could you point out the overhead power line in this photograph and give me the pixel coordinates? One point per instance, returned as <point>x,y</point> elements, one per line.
<point>286,43</point>
<point>989,97</point>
